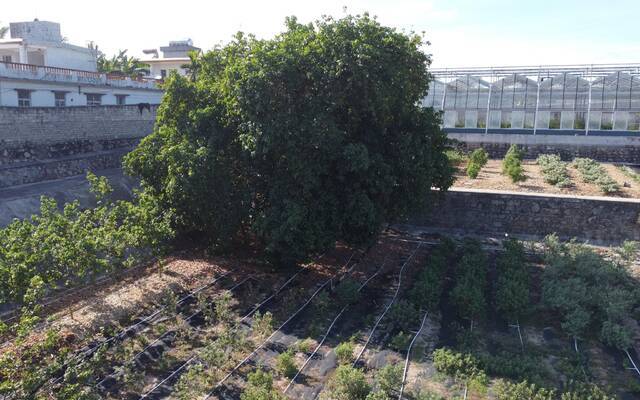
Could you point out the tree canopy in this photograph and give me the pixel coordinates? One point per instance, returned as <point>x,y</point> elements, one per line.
<point>313,136</point>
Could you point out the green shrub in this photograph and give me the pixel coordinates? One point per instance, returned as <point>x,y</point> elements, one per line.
<point>348,383</point>
<point>347,292</point>
<point>480,157</point>
<point>455,157</point>
<point>427,395</point>
<point>304,346</point>
<point>427,289</point>
<point>403,315</point>
<point>628,171</point>
<point>593,172</point>
<point>514,366</point>
<point>554,170</point>
<point>400,342</point>
<point>260,387</point>
<point>285,364</point>
<point>473,170</point>
<point>461,366</point>
<point>389,379</point>
<point>512,164</point>
<point>629,250</point>
<point>506,390</point>
<point>344,352</point>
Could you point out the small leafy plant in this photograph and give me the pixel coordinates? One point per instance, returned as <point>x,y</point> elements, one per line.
<point>512,164</point>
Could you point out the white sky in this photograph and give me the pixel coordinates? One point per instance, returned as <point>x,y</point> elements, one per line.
<point>462,32</point>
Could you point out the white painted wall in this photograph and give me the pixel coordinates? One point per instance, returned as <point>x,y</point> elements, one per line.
<point>70,57</point>
<point>155,66</point>
<point>42,94</point>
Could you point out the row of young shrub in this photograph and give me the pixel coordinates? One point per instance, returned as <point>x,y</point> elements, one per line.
<point>593,172</point>
<point>477,160</point>
<point>468,370</point>
<point>511,164</point>
<point>554,170</point>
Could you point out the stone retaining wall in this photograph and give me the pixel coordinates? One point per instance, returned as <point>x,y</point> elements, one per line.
<point>602,220</point>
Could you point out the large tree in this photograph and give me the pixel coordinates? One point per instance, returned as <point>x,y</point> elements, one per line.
<point>313,136</point>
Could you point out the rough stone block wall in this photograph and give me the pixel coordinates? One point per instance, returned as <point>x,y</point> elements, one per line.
<point>602,220</point>
<point>38,144</point>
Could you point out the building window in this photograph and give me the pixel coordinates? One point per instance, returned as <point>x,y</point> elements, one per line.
<point>554,119</point>
<point>163,73</point>
<point>24,98</point>
<point>121,99</point>
<point>580,121</point>
<point>94,99</point>
<point>60,99</point>
<point>505,119</point>
<point>460,119</point>
<point>6,59</point>
<point>634,121</point>
<point>482,119</point>
<point>606,121</point>
<point>529,119</point>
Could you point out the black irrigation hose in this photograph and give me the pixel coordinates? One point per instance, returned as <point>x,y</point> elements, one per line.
<point>406,362</point>
<point>291,317</point>
<point>335,319</point>
<point>133,359</point>
<point>123,333</point>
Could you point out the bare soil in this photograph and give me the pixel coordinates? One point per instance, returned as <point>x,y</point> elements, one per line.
<point>491,177</point>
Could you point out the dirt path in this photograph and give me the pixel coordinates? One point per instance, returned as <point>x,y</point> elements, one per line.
<point>491,177</point>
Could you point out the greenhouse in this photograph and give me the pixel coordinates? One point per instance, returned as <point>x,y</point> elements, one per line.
<point>575,99</point>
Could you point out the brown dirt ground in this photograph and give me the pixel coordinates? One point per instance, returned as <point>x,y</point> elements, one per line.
<point>491,177</point>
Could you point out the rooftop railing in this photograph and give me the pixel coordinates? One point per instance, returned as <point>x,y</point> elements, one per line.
<point>68,75</point>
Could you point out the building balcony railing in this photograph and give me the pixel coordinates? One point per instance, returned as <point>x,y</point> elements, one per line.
<point>66,75</point>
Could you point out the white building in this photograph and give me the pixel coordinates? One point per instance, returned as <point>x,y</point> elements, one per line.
<point>39,69</point>
<point>174,57</point>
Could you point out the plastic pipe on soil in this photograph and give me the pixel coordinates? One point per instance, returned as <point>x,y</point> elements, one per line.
<point>395,295</point>
<point>124,330</point>
<point>269,338</point>
<point>241,363</point>
<point>144,396</point>
<point>632,363</point>
<point>159,338</point>
<point>337,317</point>
<point>406,362</point>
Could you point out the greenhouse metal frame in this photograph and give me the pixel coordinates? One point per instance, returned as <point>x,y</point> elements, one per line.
<point>569,99</point>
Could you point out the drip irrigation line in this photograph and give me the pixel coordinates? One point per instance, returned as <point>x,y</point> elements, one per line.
<point>635,367</point>
<point>393,299</point>
<point>144,396</point>
<point>406,362</point>
<point>291,317</point>
<point>337,317</point>
<point>86,352</point>
<point>159,339</point>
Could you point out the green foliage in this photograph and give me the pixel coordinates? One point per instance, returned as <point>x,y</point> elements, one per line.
<point>348,292</point>
<point>590,293</point>
<point>121,64</point>
<point>506,390</point>
<point>477,160</point>
<point>469,292</point>
<point>222,307</point>
<point>400,342</point>
<point>427,289</point>
<point>263,324</point>
<point>630,172</point>
<point>455,157</point>
<point>403,315</point>
<point>585,391</point>
<point>304,346</point>
<point>388,379</point>
<point>512,164</point>
<point>348,383</point>
<point>629,250</point>
<point>74,246</point>
<point>314,136</point>
<point>512,282</point>
<point>260,387</point>
<point>593,172</point>
<point>192,384</point>
<point>554,170</point>
<point>427,395</point>
<point>514,366</point>
<point>344,352</point>
<point>463,367</point>
<point>285,364</point>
